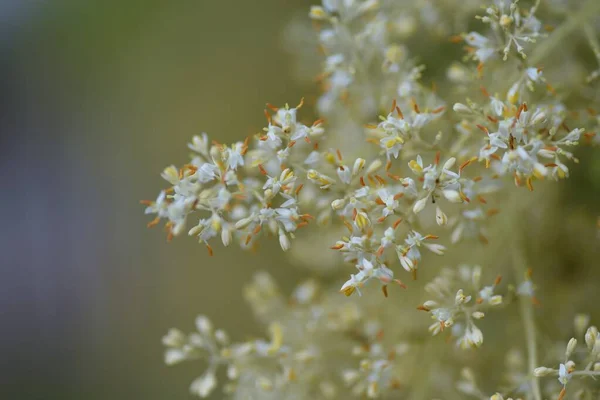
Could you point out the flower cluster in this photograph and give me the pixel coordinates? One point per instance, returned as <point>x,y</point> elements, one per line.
<point>588,357</point>
<point>454,309</point>
<point>413,158</point>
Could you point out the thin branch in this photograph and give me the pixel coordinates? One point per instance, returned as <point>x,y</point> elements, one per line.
<point>527,318</point>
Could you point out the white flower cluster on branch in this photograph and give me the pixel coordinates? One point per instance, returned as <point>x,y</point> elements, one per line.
<point>412,159</point>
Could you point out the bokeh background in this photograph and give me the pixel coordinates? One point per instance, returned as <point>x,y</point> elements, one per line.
<point>98,97</point>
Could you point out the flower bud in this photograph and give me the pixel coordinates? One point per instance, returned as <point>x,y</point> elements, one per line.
<point>478,315</point>
<point>461,108</point>
<point>284,241</point>
<point>226,236</point>
<point>591,335</point>
<point>449,163</point>
<point>440,217</point>
<point>452,196</point>
<point>318,13</point>
<point>359,164</point>
<point>243,223</point>
<point>542,371</point>
<point>374,166</point>
<point>174,338</point>
<point>344,174</point>
<point>204,325</point>
<point>338,204</point>
<point>430,304</point>
<point>571,347</point>
<point>420,205</point>
<point>537,118</point>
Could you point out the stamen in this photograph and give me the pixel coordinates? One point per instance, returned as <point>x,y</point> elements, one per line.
<point>484,91</point>
<point>153,223</point>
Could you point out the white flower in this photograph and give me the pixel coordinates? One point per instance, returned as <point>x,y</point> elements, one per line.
<point>388,200</point>
<point>564,376</point>
<point>473,337</point>
<point>420,205</point>
<point>174,356</point>
<point>200,144</point>
<point>288,217</point>
<point>235,157</point>
<point>484,46</point>
<point>284,241</point>
<point>204,325</point>
<point>206,172</point>
<point>204,385</point>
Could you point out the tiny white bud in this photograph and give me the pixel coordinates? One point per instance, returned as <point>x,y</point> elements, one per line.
<point>196,230</point>
<point>344,174</point>
<point>420,205</point>
<point>449,163</point>
<point>243,223</point>
<point>338,204</point>
<point>174,356</point>
<point>374,166</point>
<point>430,304</point>
<point>232,372</point>
<point>284,241</point>
<point>440,217</point>
<point>226,236</point>
<point>269,194</point>
<point>478,315</point>
<point>203,325</point>
<point>359,164</point>
<point>318,13</point>
<point>540,117</point>
<point>461,108</point>
<point>221,336</point>
<point>174,338</point>
<point>452,196</point>
<point>543,371</point>
<point>570,347</point>
<point>496,300</point>
<point>591,335</point>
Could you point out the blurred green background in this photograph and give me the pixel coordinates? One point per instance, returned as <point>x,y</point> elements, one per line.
<point>99,96</point>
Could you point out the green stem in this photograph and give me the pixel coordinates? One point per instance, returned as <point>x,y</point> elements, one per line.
<point>528,322</point>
